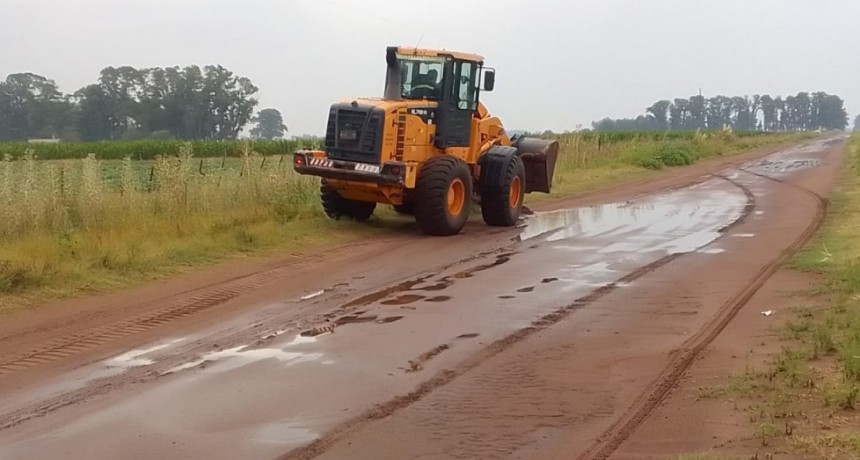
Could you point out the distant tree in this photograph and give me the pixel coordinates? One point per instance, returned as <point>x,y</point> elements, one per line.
<point>31,106</point>
<point>186,103</point>
<point>659,110</point>
<point>718,112</point>
<point>640,123</point>
<point>96,117</point>
<point>801,112</point>
<point>231,102</point>
<point>697,113</point>
<point>770,118</point>
<point>755,108</point>
<point>269,125</point>
<point>785,109</point>
<point>831,113</point>
<point>741,114</point>
<point>679,114</point>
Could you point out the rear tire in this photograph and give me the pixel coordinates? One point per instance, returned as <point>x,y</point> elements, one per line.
<point>501,204</point>
<point>337,207</point>
<point>443,195</point>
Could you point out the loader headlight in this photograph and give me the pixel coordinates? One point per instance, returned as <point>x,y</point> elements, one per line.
<point>394,169</point>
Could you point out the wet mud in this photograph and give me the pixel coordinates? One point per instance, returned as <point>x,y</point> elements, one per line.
<point>345,365</point>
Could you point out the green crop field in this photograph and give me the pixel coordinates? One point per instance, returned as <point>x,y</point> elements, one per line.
<point>149,149</point>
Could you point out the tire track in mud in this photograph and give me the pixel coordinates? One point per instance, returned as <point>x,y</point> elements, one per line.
<point>682,358</point>
<point>446,376</point>
<point>181,306</point>
<point>68,346</point>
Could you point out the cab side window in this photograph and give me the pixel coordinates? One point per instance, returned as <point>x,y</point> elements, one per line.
<point>465,86</point>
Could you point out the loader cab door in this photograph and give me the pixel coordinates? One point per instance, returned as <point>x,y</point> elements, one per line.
<point>459,102</point>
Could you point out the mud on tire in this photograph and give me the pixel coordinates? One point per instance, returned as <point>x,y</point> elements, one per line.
<point>443,196</point>
<point>501,202</point>
<point>337,207</point>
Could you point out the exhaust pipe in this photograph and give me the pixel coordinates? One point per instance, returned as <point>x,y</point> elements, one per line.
<point>539,157</point>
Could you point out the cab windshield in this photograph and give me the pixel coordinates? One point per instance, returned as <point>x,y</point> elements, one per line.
<point>421,78</point>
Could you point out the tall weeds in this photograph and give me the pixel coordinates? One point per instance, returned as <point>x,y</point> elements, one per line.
<point>62,197</point>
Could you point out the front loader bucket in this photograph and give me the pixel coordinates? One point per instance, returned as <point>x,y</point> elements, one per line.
<point>539,157</point>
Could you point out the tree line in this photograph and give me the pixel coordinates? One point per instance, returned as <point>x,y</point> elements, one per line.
<point>803,112</point>
<point>209,103</point>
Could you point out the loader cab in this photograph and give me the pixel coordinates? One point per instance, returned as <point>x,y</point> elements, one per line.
<point>452,80</point>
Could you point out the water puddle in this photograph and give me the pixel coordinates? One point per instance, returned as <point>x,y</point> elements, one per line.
<point>285,434</point>
<point>312,295</point>
<point>678,222</point>
<point>236,357</point>
<point>137,357</point>
<point>786,166</point>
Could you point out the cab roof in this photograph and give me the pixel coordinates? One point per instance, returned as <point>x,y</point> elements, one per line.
<point>432,53</point>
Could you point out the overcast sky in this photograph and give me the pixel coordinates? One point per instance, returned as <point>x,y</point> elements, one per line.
<point>559,63</point>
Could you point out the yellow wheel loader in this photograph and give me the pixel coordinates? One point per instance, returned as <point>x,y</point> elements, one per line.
<point>429,147</point>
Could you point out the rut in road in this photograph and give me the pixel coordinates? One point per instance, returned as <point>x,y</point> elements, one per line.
<point>444,377</point>
<point>67,346</point>
<point>684,357</point>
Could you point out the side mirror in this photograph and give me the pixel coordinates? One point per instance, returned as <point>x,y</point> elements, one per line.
<point>489,80</point>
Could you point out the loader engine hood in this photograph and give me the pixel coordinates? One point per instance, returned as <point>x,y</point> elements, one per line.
<point>354,131</point>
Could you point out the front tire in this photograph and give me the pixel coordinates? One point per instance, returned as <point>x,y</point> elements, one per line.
<point>501,204</point>
<point>337,207</point>
<point>443,195</point>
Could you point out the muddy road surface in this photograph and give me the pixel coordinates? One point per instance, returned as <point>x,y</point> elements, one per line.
<point>553,340</point>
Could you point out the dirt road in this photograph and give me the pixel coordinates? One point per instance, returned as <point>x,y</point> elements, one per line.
<point>555,340</point>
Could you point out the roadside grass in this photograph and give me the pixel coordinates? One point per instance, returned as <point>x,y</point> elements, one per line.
<point>740,385</point>
<point>829,445</point>
<point>149,149</point>
<point>67,228</point>
<point>812,387</point>
<point>80,226</point>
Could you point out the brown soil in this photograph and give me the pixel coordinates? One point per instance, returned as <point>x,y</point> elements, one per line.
<point>609,381</point>
<point>686,422</point>
<point>604,376</point>
<point>65,334</point>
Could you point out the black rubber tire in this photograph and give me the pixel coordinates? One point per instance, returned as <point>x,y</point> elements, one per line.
<point>337,207</point>
<point>431,195</point>
<point>496,199</point>
<point>406,209</point>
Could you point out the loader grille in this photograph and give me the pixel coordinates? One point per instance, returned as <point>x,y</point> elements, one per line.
<point>354,133</point>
